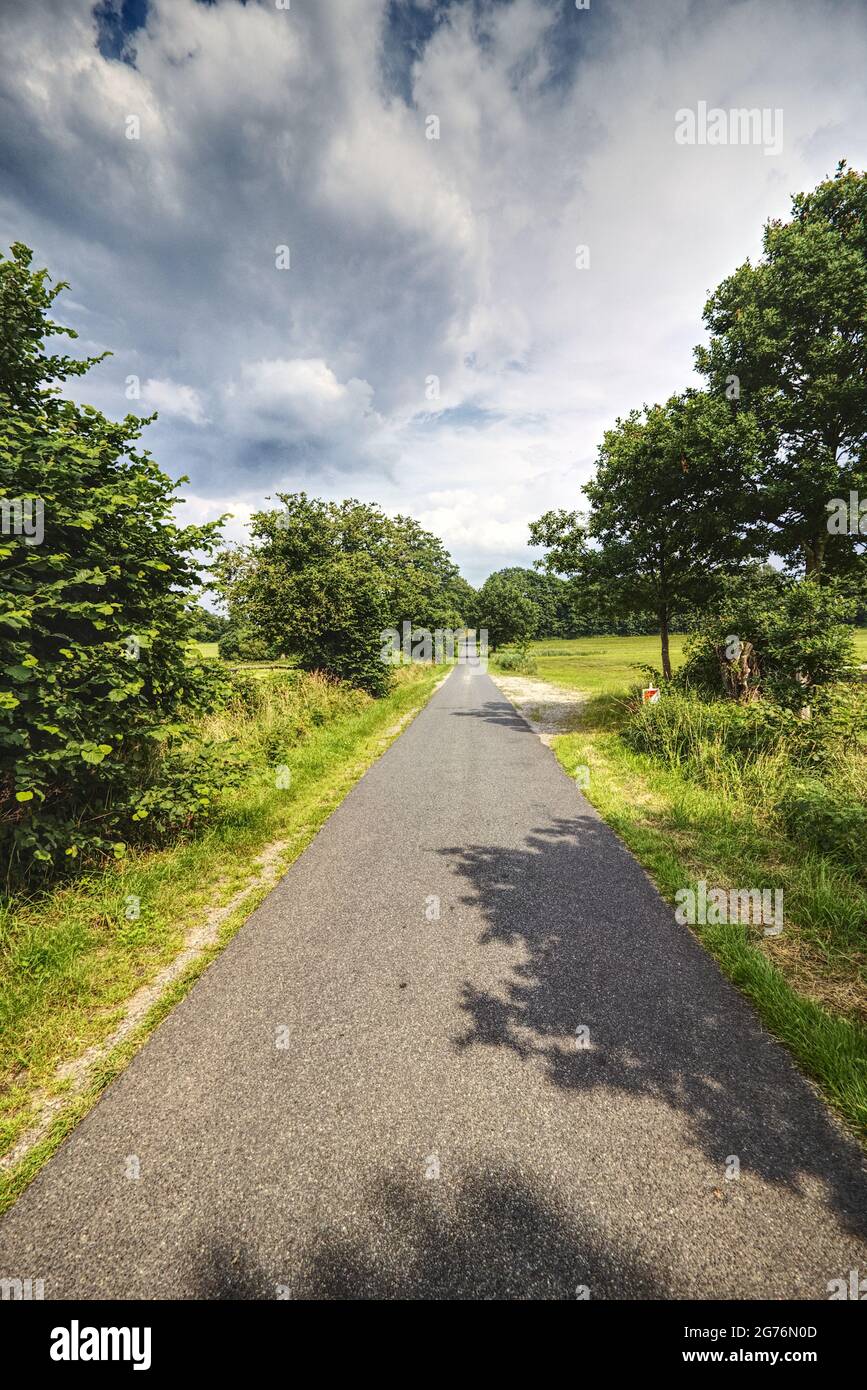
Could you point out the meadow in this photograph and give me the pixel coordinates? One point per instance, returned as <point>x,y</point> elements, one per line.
<point>600,665</point>
<point>606,665</point>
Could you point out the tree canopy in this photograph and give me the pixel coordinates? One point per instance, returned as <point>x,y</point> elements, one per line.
<point>764,464</point>
<point>666,509</point>
<point>321,581</point>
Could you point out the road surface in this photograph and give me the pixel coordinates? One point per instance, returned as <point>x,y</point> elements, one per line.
<point>462,1050</point>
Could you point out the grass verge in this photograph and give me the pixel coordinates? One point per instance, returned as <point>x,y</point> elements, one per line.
<point>71,960</point>
<point>808,984</point>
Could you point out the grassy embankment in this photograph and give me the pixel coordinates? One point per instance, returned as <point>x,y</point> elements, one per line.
<point>689,809</point>
<point>71,961</point>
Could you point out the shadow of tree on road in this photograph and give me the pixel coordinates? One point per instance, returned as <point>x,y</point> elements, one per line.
<point>491,1238</point>
<point>601,949</point>
<point>495,712</point>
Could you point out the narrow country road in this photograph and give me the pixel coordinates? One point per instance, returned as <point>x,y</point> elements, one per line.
<point>360,1099</point>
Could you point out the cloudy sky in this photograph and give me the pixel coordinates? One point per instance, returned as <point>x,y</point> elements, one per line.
<point>433,344</point>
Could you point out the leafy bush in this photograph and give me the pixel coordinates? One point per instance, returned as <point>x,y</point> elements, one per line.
<point>521,661</point>
<point>843,710</point>
<point>186,786</point>
<point>241,643</point>
<point>242,692</point>
<point>826,819</point>
<point>96,686</point>
<point>681,728</point>
<point>808,776</point>
<point>769,635</point>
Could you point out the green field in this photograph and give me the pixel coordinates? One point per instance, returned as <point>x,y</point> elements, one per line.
<point>716,817</point>
<point>601,665</point>
<point>606,665</point>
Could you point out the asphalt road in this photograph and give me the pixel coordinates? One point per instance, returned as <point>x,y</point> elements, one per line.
<point>360,1099</point>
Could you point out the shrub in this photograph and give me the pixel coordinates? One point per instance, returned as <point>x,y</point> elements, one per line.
<point>187,783</point>
<point>241,643</point>
<point>521,661</point>
<point>96,685</point>
<point>769,635</point>
<point>829,820</point>
<point>682,728</point>
<point>720,740</point>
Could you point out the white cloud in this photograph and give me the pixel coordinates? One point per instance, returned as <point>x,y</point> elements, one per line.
<point>171,398</point>
<point>301,397</point>
<point>409,257</point>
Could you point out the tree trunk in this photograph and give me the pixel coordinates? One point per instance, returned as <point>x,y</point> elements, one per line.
<point>663,633</point>
<point>740,674</point>
<point>814,555</point>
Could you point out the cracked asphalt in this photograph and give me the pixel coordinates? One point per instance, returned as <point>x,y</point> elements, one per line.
<point>462,1050</point>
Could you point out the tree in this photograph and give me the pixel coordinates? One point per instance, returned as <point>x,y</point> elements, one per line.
<point>322,581</point>
<point>95,582</point>
<point>584,602</point>
<point>506,609</point>
<point>205,626</point>
<point>788,342</point>
<point>461,598</point>
<point>670,508</point>
<point>552,597</point>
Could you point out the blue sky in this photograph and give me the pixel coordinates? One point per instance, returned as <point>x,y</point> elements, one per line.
<point>432,345</point>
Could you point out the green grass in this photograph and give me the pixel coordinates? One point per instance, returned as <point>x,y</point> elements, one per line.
<point>605,665</point>
<point>717,819</point>
<point>69,958</point>
<point>600,665</point>
<point>210,651</point>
